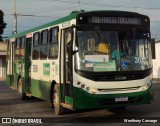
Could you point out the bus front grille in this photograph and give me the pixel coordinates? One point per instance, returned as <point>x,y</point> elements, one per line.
<point>119,89</point>
<point>117,77</point>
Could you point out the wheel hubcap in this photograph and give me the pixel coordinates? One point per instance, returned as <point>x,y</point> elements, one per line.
<point>56,99</point>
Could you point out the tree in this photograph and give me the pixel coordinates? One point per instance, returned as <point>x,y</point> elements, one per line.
<point>2,24</point>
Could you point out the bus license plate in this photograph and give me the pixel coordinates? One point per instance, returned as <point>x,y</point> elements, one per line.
<point>121,99</point>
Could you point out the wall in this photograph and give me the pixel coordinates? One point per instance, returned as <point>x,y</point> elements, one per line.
<point>3,52</point>
<point>2,67</point>
<point>156,62</point>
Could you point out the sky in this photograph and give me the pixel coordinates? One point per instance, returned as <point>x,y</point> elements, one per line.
<point>32,13</point>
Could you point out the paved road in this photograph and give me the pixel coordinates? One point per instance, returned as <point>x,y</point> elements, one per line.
<point>12,106</point>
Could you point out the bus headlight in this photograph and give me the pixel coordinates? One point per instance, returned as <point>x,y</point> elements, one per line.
<point>82,86</point>
<point>93,90</point>
<point>145,87</point>
<point>87,88</point>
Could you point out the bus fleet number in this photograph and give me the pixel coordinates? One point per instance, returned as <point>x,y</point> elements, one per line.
<point>140,60</point>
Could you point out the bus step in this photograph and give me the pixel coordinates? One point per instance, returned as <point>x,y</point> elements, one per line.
<point>68,106</point>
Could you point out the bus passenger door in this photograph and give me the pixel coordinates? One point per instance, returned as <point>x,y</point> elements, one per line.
<point>67,65</point>
<point>10,70</point>
<point>28,63</point>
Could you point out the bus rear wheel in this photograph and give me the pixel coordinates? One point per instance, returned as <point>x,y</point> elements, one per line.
<point>58,108</point>
<point>20,90</point>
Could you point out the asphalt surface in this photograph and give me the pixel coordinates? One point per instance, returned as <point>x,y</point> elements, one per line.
<point>13,108</point>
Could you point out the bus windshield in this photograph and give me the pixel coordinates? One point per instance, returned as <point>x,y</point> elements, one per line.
<point>104,51</point>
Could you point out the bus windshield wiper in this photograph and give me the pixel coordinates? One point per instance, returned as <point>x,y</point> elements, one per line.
<point>102,37</point>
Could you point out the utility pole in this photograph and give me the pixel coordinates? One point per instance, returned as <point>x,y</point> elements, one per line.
<point>15,18</point>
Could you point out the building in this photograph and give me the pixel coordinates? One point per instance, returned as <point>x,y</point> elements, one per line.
<point>3,53</point>
<point>156,62</point>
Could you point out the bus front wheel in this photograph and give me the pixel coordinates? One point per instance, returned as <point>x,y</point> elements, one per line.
<point>58,109</point>
<point>21,94</point>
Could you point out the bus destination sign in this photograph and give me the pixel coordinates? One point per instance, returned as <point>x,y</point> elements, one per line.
<point>114,20</point>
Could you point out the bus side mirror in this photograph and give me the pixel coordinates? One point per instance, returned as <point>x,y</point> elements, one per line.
<point>153,48</point>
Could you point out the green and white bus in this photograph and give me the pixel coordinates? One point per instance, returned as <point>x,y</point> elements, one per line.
<point>86,60</point>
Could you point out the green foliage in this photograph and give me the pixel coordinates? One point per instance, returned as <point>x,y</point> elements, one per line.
<point>2,24</point>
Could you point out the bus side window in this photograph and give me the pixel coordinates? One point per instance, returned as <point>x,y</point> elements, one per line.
<point>53,43</point>
<point>22,46</point>
<point>17,47</point>
<point>36,48</point>
<point>43,46</point>
<point>18,42</point>
<point>23,42</point>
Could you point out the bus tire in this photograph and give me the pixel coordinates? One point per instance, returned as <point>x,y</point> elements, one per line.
<point>20,90</point>
<point>58,108</point>
<point>51,93</point>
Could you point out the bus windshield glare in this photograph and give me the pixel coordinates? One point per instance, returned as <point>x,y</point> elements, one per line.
<point>105,51</point>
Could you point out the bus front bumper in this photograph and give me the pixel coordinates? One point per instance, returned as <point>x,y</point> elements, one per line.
<point>84,100</point>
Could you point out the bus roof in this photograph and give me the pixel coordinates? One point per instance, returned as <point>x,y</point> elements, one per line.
<point>72,15</point>
<point>64,19</point>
